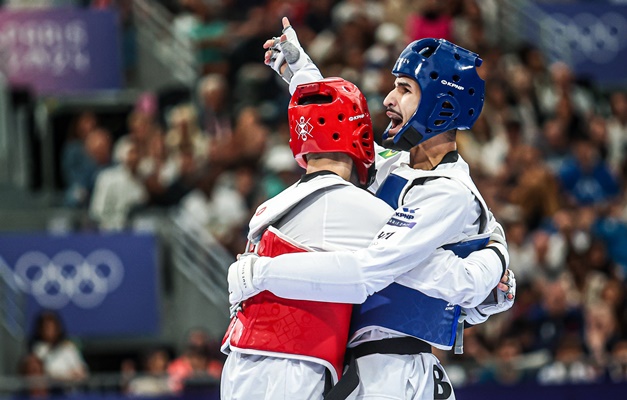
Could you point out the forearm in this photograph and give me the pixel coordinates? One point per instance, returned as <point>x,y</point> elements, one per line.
<point>346,277</point>
<point>319,279</point>
<point>463,281</point>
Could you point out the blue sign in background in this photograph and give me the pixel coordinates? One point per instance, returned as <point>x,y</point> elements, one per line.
<point>591,38</point>
<point>61,50</point>
<point>101,285</point>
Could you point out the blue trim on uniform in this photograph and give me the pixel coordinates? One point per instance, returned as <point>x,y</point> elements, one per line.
<point>412,312</point>
<point>391,189</point>
<point>463,249</point>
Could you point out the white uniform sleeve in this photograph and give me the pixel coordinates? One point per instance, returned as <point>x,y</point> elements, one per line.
<point>349,277</point>
<point>459,281</point>
<point>308,73</point>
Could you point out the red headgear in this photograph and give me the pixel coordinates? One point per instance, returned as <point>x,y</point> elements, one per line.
<point>331,116</point>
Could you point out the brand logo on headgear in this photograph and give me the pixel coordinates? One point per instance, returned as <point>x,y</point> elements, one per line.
<point>451,84</point>
<point>303,129</point>
<point>69,277</point>
<point>356,117</point>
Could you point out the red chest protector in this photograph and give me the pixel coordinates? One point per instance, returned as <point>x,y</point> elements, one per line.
<point>305,330</point>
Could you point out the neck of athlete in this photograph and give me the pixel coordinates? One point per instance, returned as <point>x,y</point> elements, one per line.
<point>430,153</point>
<point>338,163</point>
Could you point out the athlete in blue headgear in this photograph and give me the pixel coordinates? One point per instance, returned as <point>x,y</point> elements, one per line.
<point>412,294</point>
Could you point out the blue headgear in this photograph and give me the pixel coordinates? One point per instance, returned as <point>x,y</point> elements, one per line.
<point>451,91</point>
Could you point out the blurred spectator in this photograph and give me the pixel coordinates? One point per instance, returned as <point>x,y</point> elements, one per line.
<point>118,191</point>
<point>563,87</point>
<point>37,384</point>
<point>617,129</point>
<point>468,25</point>
<point>159,171</point>
<point>215,206</point>
<point>141,126</point>
<point>62,360</point>
<point>569,366</point>
<point>521,251</point>
<point>250,136</point>
<point>201,360</point>
<point>534,60</point>
<point>525,105</point>
<point>550,249</point>
<point>184,134</point>
<point>535,191</point>
<point>202,29</point>
<point>611,229</point>
<point>213,101</point>
<point>554,317</point>
<point>617,367</point>
<point>597,132</point>
<point>283,171</point>
<point>430,20</point>
<point>85,152</point>
<point>153,379</point>
<point>554,145</point>
<point>387,45</point>
<point>601,331</point>
<point>482,148</point>
<point>585,178</point>
<point>505,367</point>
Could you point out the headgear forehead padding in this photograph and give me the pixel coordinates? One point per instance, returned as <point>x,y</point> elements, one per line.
<point>452,93</point>
<point>331,115</point>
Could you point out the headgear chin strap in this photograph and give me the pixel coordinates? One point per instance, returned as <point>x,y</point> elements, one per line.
<point>452,93</point>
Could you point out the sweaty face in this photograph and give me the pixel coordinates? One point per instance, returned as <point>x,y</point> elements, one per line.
<point>401,103</point>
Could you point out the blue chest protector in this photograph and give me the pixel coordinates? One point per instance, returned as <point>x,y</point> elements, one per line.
<point>401,309</point>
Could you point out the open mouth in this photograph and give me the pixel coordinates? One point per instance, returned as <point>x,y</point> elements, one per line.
<point>396,121</point>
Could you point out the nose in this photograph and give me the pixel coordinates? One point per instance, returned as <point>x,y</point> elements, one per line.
<point>389,100</point>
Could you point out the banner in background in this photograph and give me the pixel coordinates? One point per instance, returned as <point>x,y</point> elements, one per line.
<point>60,50</point>
<point>592,38</point>
<point>101,285</point>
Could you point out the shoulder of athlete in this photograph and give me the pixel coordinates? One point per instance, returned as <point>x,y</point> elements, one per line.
<point>440,191</point>
<point>359,200</point>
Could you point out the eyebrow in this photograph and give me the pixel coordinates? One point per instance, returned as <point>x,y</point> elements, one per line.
<point>404,84</point>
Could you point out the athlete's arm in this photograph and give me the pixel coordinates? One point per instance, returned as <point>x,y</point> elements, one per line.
<point>287,58</point>
<point>350,277</point>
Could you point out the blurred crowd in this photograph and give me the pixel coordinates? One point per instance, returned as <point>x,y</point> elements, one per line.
<point>54,364</point>
<point>548,153</point>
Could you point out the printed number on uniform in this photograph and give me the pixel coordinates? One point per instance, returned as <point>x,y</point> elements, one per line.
<point>385,235</point>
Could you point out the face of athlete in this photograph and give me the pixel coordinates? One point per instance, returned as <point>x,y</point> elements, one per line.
<point>401,103</point>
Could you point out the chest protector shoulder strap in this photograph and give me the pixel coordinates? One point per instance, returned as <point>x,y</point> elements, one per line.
<point>298,329</point>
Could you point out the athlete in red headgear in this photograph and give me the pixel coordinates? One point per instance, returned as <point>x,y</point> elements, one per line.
<point>294,349</point>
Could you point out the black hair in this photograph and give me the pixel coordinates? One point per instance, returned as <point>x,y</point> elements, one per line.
<point>37,335</point>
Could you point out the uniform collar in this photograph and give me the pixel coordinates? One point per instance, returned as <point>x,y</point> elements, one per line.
<point>308,177</point>
<point>450,158</point>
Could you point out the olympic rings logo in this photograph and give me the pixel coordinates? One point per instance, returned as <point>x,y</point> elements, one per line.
<point>589,37</point>
<point>69,277</point>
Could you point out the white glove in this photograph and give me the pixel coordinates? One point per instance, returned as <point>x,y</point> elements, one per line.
<point>277,60</point>
<point>287,48</point>
<point>498,301</point>
<point>240,278</point>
